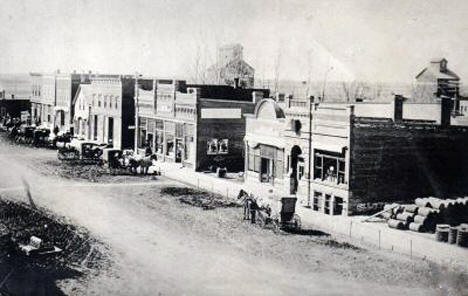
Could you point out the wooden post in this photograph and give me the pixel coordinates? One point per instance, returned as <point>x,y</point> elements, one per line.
<point>411,248</point>
<point>350,227</point>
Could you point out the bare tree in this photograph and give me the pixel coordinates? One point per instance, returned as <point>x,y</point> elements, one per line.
<point>353,90</point>
<point>277,65</point>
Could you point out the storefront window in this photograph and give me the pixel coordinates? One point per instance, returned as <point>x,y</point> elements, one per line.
<point>170,145</point>
<point>142,139</point>
<point>188,148</point>
<point>159,141</point>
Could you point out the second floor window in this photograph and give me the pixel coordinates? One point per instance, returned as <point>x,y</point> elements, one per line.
<point>329,167</point>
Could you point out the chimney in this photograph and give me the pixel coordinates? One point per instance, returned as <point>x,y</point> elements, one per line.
<point>257,96</point>
<point>279,97</point>
<point>445,111</point>
<point>195,91</point>
<point>398,108</point>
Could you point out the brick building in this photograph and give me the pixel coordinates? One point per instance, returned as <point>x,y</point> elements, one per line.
<point>362,153</point>
<point>195,125</point>
<point>104,110</point>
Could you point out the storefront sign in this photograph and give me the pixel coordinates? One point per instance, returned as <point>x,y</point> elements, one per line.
<point>218,113</point>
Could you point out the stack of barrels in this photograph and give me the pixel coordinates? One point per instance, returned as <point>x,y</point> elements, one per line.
<point>402,217</point>
<point>448,218</point>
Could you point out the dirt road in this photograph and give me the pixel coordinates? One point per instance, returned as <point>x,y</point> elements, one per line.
<point>161,247</point>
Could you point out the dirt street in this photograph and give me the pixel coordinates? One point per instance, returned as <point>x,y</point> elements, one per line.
<point>160,246</point>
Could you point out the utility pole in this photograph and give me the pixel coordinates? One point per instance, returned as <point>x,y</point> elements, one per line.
<point>311,99</point>
<point>137,124</point>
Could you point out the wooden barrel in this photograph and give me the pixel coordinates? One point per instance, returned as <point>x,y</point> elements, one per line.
<point>462,200</point>
<point>425,211</point>
<point>442,232</point>
<point>439,204</point>
<point>387,215</point>
<point>419,219</point>
<point>411,209</point>
<point>417,227</point>
<point>395,207</point>
<point>432,202</point>
<point>421,201</point>
<point>463,225</point>
<point>452,235</point>
<point>397,224</point>
<point>462,237</point>
<point>405,217</point>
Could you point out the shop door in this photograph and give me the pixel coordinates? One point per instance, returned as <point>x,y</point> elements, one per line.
<point>179,150</point>
<point>266,170</point>
<point>110,130</point>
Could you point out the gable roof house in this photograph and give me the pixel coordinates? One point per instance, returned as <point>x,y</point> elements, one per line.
<point>231,69</point>
<point>436,81</point>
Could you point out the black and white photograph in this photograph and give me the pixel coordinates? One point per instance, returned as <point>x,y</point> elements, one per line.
<point>234,147</point>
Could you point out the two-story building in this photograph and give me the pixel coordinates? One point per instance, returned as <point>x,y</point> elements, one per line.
<point>199,126</point>
<point>36,106</point>
<point>361,153</point>
<point>47,100</point>
<point>52,98</point>
<point>436,81</point>
<point>104,110</point>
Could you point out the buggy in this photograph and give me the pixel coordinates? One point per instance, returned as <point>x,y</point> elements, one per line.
<point>40,137</point>
<point>85,151</point>
<point>284,219</point>
<point>112,159</point>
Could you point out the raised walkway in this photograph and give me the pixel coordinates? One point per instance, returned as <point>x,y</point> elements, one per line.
<point>421,245</point>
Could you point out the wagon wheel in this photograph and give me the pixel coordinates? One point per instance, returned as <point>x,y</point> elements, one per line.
<point>297,224</point>
<point>260,219</point>
<point>276,223</point>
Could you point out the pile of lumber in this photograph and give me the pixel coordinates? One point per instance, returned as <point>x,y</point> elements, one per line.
<point>426,213</point>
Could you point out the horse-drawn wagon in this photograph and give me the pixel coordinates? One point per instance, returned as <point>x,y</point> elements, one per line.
<point>81,150</point>
<point>279,217</point>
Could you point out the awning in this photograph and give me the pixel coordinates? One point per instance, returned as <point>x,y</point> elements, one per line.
<point>255,140</point>
<point>332,147</point>
<point>61,108</point>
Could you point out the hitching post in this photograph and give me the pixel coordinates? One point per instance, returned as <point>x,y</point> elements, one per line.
<point>411,248</point>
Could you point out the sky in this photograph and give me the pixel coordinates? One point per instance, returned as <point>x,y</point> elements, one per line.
<point>388,41</point>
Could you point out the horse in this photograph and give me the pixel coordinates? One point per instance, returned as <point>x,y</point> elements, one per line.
<point>134,162</point>
<point>246,199</point>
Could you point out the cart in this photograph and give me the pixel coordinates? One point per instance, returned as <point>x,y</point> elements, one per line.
<point>287,219</point>
<point>283,219</point>
<point>112,160</point>
<point>84,151</point>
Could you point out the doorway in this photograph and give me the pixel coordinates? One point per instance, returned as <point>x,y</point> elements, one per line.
<point>179,150</point>
<point>110,130</point>
<point>296,169</point>
<point>266,170</point>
